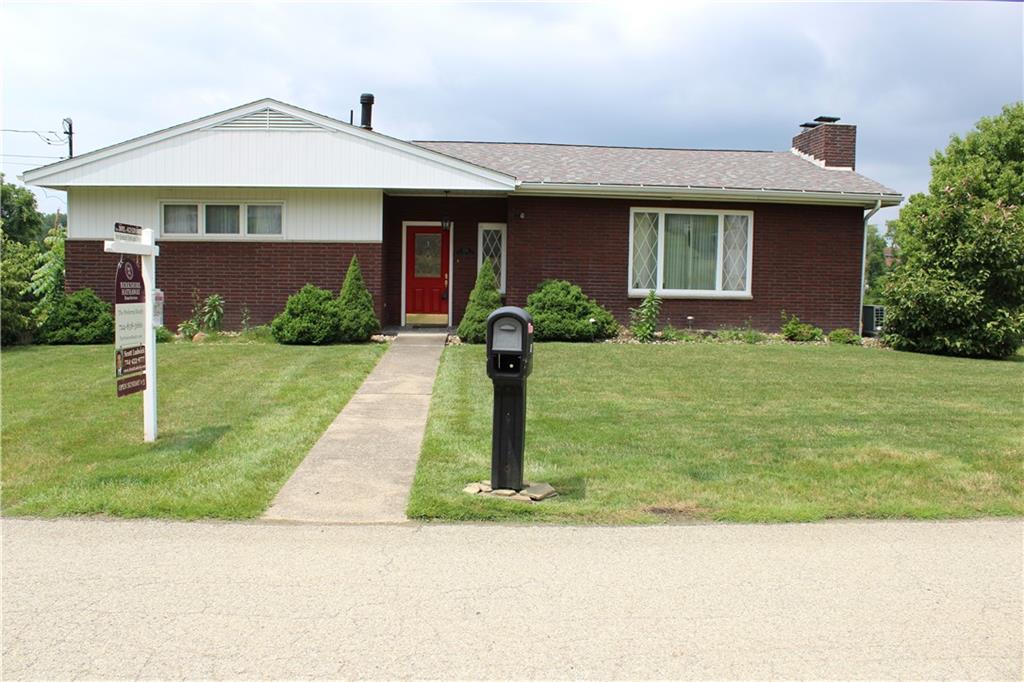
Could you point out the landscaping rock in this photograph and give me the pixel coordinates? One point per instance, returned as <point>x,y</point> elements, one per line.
<point>199,337</point>
<point>519,497</point>
<point>472,488</point>
<point>539,491</point>
<point>503,492</point>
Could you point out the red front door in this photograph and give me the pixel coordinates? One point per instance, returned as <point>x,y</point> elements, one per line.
<point>426,275</point>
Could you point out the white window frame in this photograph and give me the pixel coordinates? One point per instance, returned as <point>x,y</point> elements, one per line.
<point>503,228</point>
<point>715,293</point>
<point>243,216</point>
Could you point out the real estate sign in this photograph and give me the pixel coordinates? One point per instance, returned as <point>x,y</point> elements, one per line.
<point>129,327</point>
<point>123,232</point>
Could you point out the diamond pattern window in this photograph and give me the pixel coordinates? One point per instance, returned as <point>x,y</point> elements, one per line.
<point>645,251</point>
<point>491,247</point>
<point>690,253</point>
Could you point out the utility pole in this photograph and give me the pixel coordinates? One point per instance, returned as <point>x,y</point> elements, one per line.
<point>70,132</point>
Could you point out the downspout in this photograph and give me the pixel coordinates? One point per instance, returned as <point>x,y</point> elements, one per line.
<point>863,263</point>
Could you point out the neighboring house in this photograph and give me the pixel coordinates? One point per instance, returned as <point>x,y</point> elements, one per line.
<point>254,202</point>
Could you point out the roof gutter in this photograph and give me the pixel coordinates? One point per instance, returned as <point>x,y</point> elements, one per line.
<point>863,263</point>
<point>863,199</point>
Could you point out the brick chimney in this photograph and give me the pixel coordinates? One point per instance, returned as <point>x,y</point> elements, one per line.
<point>829,143</point>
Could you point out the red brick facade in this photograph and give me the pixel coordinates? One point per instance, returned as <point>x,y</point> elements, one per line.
<point>806,261</point>
<point>260,275</point>
<point>835,144</point>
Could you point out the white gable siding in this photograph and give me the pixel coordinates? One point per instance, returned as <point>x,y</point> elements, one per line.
<point>230,157</point>
<point>309,214</point>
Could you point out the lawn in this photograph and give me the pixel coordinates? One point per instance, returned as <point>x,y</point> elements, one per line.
<point>642,434</point>
<point>234,418</point>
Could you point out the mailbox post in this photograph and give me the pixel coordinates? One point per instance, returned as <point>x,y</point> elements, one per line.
<point>509,363</point>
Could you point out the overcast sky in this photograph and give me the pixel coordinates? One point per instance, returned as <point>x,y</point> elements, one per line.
<point>722,75</point>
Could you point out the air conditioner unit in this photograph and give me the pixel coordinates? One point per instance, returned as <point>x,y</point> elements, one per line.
<point>874,316</point>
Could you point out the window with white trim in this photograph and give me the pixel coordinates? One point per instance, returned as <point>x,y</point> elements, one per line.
<point>222,220</point>
<point>691,253</point>
<point>491,246</point>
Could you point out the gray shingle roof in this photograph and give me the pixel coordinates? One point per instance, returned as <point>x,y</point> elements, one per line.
<point>634,166</point>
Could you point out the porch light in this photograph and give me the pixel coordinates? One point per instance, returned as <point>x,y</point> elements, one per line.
<point>446,222</point>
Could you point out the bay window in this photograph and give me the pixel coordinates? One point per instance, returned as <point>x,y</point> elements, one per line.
<point>690,253</point>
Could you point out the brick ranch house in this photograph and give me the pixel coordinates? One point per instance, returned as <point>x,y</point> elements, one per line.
<point>256,201</point>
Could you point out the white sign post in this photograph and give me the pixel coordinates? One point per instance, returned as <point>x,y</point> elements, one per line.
<point>140,242</point>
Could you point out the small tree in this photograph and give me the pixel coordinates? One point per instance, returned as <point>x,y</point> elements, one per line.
<point>874,266</point>
<point>355,304</point>
<point>48,279</point>
<point>20,221</point>
<point>17,262</point>
<point>483,300</point>
<point>958,288</point>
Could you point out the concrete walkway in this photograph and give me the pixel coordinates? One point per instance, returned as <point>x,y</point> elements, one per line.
<point>362,467</point>
<point>94,599</point>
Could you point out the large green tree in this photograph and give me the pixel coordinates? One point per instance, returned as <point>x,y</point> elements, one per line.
<point>958,288</point>
<point>19,217</point>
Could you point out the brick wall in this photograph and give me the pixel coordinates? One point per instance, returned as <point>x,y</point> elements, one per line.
<point>260,275</point>
<point>806,260</point>
<point>833,143</point>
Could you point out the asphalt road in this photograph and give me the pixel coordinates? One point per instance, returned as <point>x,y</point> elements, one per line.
<point>131,599</point>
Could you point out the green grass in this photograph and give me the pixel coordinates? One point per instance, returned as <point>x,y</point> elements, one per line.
<point>640,434</point>
<point>234,421</point>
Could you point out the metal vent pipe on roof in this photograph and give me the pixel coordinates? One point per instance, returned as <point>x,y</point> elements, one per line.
<point>366,99</point>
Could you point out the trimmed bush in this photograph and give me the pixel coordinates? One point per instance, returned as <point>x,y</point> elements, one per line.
<point>358,321</point>
<point>483,300</point>
<point>795,330</point>
<point>81,317</point>
<point>311,317</point>
<point>844,335</point>
<point>562,312</point>
<point>164,335</point>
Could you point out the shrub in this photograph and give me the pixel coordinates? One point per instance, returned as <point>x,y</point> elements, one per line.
<point>311,316</point>
<point>17,263</point>
<point>562,312</point>
<point>211,313</point>
<point>81,317</point>
<point>958,288</point>
<point>163,334</point>
<point>795,330</point>
<point>188,329</point>
<point>358,322</point>
<point>844,335</point>
<point>483,300</point>
<point>644,320</point>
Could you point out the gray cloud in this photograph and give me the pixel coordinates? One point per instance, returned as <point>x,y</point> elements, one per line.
<point>728,75</point>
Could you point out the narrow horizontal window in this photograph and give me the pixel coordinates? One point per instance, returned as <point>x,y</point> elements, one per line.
<point>690,252</point>
<point>181,219</point>
<point>222,220</point>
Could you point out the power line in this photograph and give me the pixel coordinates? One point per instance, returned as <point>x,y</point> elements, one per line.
<point>40,135</point>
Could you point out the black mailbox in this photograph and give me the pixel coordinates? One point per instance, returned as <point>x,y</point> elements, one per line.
<point>509,363</point>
